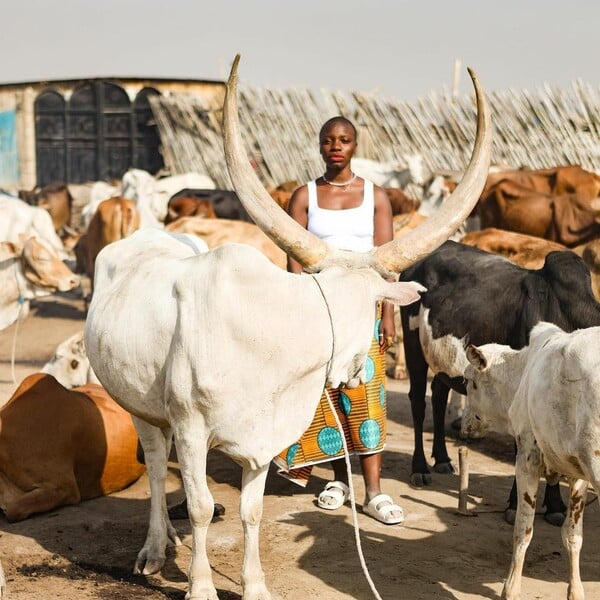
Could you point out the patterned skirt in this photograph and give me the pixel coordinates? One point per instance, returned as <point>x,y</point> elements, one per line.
<point>361,411</point>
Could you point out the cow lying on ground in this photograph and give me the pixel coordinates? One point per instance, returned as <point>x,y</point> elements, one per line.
<point>216,232</point>
<point>17,218</point>
<point>225,203</point>
<point>56,199</point>
<point>527,251</point>
<point>482,298</point>
<point>177,375</point>
<point>547,396</point>
<point>70,365</point>
<point>28,270</point>
<point>59,446</point>
<point>186,206</point>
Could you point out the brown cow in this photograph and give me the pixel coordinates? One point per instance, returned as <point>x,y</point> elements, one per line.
<point>556,181</point>
<point>283,192</point>
<point>216,232</point>
<point>568,219</point>
<point>525,250</point>
<point>188,206</point>
<point>59,446</point>
<point>30,269</point>
<point>114,219</point>
<point>400,202</point>
<point>57,200</point>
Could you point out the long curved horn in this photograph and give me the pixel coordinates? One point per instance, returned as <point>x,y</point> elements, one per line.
<point>399,254</point>
<point>287,233</point>
<point>314,254</point>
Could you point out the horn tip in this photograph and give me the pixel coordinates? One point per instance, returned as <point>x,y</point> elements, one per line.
<point>234,69</point>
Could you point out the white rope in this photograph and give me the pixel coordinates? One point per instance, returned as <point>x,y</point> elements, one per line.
<point>346,457</point>
<point>352,502</point>
<point>21,301</point>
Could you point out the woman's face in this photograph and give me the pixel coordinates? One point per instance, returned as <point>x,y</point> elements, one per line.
<point>337,145</point>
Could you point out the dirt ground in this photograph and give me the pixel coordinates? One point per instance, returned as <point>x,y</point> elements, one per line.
<point>88,551</point>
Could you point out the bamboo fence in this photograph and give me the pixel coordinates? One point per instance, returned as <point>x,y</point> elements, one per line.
<point>538,129</point>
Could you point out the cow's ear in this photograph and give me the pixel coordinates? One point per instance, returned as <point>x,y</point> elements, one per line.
<point>403,293</point>
<point>476,357</point>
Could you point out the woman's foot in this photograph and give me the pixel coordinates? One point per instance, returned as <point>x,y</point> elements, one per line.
<point>384,509</point>
<point>334,495</point>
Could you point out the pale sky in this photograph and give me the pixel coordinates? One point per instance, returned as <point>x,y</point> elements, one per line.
<point>401,49</point>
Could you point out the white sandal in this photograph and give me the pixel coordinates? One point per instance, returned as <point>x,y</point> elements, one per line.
<point>381,507</point>
<point>334,490</point>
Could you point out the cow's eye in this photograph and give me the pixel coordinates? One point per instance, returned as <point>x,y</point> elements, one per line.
<point>74,364</point>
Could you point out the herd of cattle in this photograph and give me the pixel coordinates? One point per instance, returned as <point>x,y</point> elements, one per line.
<point>480,312</point>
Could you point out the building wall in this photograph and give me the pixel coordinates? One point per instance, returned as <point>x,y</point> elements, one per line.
<point>17,103</point>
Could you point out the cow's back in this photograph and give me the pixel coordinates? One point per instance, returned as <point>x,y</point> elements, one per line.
<point>76,444</point>
<point>484,298</point>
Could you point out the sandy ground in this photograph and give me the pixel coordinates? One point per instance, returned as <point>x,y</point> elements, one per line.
<point>88,551</point>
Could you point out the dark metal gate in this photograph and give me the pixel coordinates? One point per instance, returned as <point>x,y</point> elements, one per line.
<point>96,135</point>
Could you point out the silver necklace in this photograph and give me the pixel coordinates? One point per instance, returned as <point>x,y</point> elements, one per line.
<point>344,184</point>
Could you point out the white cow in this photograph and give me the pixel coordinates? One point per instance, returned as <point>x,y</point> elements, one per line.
<point>70,365</point>
<point>29,269</point>
<point>18,218</point>
<point>391,174</point>
<point>164,323</point>
<point>152,195</point>
<point>547,396</point>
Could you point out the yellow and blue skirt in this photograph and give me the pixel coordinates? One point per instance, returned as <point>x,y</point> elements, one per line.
<point>361,411</point>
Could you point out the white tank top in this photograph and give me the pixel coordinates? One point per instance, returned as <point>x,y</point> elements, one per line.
<point>346,228</point>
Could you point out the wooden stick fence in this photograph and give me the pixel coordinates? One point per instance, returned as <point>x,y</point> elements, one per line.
<point>280,127</point>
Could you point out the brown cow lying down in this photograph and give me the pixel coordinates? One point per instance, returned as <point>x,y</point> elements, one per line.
<point>216,232</point>
<point>526,251</point>
<point>60,446</point>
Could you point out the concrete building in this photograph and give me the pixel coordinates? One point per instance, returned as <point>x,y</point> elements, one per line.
<point>85,129</point>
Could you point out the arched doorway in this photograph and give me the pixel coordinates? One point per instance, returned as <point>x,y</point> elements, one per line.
<point>97,135</point>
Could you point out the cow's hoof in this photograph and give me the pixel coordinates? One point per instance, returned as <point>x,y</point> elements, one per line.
<point>510,514</point>
<point>444,467</point>
<point>420,480</point>
<point>556,519</point>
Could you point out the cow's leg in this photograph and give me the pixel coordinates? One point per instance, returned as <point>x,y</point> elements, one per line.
<point>555,507</point>
<point>417,372</point>
<point>439,403</point>
<point>251,508</point>
<point>572,535</point>
<point>528,468</point>
<point>43,498</point>
<point>192,448</point>
<point>157,446</point>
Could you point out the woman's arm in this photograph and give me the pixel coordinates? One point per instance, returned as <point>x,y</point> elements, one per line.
<point>298,210</point>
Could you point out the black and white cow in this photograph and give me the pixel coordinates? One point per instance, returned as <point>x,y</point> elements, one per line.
<point>476,297</point>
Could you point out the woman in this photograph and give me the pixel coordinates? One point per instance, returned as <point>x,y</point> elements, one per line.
<point>351,214</point>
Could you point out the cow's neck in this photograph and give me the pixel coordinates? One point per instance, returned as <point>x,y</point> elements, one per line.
<point>15,291</point>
